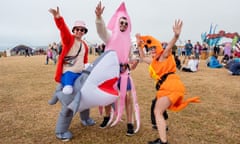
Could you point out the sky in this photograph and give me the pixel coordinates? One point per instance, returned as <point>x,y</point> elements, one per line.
<point>28,22</point>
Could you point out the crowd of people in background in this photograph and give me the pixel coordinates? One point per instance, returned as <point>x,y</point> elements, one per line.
<point>52,52</point>
<point>189,55</point>
<point>223,55</point>
<point>218,56</point>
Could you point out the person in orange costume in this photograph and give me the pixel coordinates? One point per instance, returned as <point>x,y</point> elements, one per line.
<point>162,68</point>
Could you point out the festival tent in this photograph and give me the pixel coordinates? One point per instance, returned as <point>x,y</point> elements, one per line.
<point>19,50</point>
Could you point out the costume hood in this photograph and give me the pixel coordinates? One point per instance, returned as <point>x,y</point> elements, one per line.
<point>150,41</point>
<point>114,21</point>
<point>120,41</point>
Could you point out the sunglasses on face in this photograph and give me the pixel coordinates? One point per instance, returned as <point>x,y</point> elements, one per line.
<point>81,30</point>
<point>152,48</point>
<point>124,23</point>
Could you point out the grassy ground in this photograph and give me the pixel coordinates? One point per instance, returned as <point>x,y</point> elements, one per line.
<point>26,84</point>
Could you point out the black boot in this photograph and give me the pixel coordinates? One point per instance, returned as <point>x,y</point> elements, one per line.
<point>105,122</point>
<point>130,130</point>
<point>157,141</point>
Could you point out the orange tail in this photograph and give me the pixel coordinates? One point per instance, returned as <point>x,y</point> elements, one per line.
<point>182,104</point>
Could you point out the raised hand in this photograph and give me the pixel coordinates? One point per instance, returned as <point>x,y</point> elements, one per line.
<point>99,10</point>
<point>139,41</point>
<point>177,28</point>
<point>55,12</point>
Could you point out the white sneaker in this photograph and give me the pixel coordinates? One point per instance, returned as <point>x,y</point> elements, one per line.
<point>66,136</point>
<point>230,72</point>
<point>67,90</point>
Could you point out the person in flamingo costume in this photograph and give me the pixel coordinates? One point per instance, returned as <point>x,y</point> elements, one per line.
<point>119,40</point>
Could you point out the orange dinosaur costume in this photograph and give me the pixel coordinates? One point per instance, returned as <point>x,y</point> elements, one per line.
<point>172,87</point>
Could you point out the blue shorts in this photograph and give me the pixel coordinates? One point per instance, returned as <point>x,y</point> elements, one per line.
<point>68,78</point>
<point>129,87</point>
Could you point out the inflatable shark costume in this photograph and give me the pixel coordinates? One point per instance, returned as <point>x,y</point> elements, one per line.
<point>94,87</point>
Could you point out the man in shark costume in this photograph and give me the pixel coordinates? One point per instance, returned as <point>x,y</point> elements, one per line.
<point>92,87</point>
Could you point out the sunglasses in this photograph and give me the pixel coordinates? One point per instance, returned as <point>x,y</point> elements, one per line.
<point>152,48</point>
<point>123,23</point>
<point>81,30</point>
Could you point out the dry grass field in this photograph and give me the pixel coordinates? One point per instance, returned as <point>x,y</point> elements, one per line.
<point>26,85</point>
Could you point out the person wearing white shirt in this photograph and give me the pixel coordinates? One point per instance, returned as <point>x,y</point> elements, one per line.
<point>192,65</point>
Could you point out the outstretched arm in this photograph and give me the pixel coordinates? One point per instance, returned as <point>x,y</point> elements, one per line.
<point>177,27</point>
<point>60,23</point>
<point>100,24</point>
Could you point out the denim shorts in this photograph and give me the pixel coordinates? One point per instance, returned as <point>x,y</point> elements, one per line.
<point>129,87</point>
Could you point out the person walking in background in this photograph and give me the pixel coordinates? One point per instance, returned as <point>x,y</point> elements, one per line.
<point>59,48</point>
<point>54,52</point>
<point>48,54</point>
<point>184,51</point>
<point>27,52</point>
<point>188,48</point>
<point>179,51</point>
<point>174,50</point>
<point>205,51</point>
<point>170,89</point>
<point>197,50</point>
<point>216,50</point>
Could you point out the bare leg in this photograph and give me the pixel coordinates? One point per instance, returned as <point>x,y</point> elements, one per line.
<point>161,105</point>
<point>106,120</point>
<point>129,107</point>
<point>107,110</point>
<point>129,113</point>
